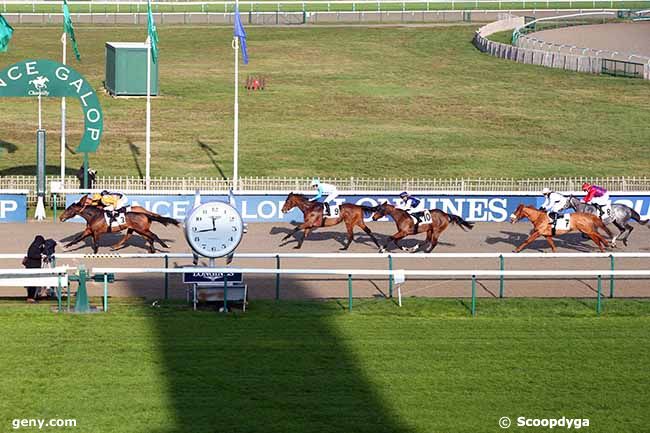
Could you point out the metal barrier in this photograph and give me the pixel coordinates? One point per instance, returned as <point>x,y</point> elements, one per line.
<point>619,68</point>
<point>350,273</point>
<point>501,258</point>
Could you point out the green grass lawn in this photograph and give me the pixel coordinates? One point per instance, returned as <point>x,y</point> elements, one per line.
<point>312,367</point>
<point>340,102</point>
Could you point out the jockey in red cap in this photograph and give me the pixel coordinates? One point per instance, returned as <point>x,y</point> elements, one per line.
<point>598,196</point>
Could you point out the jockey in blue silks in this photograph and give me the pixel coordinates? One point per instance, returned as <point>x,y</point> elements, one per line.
<point>324,189</point>
<point>408,202</point>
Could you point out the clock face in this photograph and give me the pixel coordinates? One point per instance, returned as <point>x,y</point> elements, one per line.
<point>214,229</point>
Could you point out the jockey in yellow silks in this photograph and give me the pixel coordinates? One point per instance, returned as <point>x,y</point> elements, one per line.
<point>113,202</point>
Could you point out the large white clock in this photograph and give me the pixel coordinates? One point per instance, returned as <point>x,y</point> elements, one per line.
<point>214,229</point>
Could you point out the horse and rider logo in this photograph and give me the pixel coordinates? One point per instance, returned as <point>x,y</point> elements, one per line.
<point>40,84</point>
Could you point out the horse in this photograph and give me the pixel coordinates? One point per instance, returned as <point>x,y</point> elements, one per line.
<point>621,214</point>
<point>96,225</point>
<point>583,222</point>
<point>406,226</point>
<point>351,214</point>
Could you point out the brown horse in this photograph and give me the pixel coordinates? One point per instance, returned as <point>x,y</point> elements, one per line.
<point>405,226</point>
<point>96,225</point>
<point>580,221</point>
<point>312,212</point>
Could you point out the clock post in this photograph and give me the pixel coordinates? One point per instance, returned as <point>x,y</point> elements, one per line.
<point>214,230</point>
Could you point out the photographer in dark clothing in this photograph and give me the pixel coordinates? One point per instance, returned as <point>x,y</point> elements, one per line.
<point>33,260</point>
<point>92,175</point>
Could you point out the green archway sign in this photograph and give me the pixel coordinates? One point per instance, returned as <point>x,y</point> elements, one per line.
<point>54,79</point>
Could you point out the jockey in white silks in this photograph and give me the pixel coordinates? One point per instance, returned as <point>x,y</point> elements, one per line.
<point>324,189</point>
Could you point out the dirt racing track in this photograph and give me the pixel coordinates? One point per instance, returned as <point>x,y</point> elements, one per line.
<point>266,238</point>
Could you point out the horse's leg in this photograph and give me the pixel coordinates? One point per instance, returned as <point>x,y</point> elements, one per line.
<point>550,241</point>
<point>350,229</point>
<point>152,237</point>
<point>528,241</point>
<point>122,241</point>
<point>390,239</point>
<point>629,229</point>
<point>292,232</point>
<point>304,236</point>
<point>95,242</point>
<point>366,229</point>
<point>433,239</point>
<point>598,240</point>
<point>83,235</point>
<point>621,229</point>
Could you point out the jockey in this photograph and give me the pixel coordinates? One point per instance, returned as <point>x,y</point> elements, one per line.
<point>408,202</point>
<point>554,203</point>
<point>113,202</point>
<point>324,189</point>
<point>598,196</point>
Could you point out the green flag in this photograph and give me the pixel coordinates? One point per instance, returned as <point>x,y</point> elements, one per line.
<point>6,31</point>
<point>153,33</point>
<point>67,26</point>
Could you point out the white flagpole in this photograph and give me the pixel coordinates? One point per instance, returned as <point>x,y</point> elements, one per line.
<point>235,169</point>
<point>64,41</point>
<point>148,134</point>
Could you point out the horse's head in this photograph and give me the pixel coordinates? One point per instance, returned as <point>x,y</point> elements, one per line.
<point>518,214</point>
<point>75,208</point>
<point>291,202</point>
<point>380,211</point>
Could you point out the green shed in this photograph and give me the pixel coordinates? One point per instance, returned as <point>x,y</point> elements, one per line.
<point>126,69</point>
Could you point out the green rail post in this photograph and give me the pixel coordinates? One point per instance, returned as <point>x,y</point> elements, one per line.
<point>390,277</point>
<point>225,292</point>
<point>611,277</point>
<point>54,207</point>
<point>473,295</point>
<point>166,277</point>
<point>81,304</point>
<point>58,294</point>
<point>349,292</point>
<point>106,292</point>
<point>277,277</point>
<point>85,178</point>
<point>501,268</point>
<point>600,286</point>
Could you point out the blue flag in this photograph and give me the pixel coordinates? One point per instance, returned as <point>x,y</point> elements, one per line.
<point>241,34</point>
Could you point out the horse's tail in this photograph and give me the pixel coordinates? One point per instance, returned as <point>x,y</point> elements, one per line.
<point>636,217</point>
<point>455,219</point>
<point>367,209</point>
<point>162,220</point>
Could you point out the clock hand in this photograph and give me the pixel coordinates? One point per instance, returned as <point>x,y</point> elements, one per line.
<point>206,230</point>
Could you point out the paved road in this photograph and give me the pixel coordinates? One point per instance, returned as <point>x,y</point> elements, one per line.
<point>266,237</point>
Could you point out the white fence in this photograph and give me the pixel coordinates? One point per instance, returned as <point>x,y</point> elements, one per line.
<point>306,6</point>
<point>352,184</point>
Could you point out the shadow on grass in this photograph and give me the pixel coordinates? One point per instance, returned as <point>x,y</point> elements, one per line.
<point>241,373</point>
<point>30,170</point>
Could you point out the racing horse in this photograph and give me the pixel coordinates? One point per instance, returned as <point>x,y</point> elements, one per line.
<point>96,225</point>
<point>621,214</point>
<point>406,226</point>
<point>312,212</point>
<point>583,222</point>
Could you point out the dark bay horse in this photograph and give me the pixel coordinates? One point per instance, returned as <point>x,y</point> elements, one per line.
<point>583,222</point>
<point>405,226</point>
<point>621,214</point>
<point>96,225</point>
<point>312,211</point>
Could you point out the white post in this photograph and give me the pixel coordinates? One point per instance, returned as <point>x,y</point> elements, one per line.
<point>40,123</point>
<point>235,169</point>
<point>148,133</point>
<point>64,41</point>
